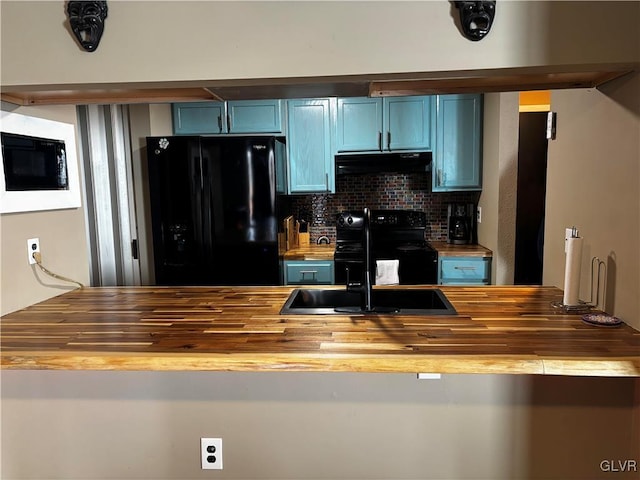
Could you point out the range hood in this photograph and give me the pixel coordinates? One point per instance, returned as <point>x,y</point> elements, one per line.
<point>387,162</point>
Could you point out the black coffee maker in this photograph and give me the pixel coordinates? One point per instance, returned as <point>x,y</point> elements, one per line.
<point>461,223</point>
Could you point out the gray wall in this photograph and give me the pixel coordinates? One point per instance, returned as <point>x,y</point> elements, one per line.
<point>192,41</point>
<point>147,425</point>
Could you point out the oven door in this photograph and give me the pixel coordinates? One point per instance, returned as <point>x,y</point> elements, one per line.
<point>348,270</point>
<point>416,267</point>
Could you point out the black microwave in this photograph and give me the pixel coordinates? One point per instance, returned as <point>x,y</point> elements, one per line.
<point>33,163</point>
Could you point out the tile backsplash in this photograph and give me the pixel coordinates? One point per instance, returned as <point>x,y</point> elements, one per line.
<point>407,191</point>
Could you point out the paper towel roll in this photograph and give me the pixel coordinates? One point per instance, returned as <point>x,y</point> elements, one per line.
<point>572,271</point>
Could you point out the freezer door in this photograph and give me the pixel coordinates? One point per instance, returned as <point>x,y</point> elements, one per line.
<point>175,188</point>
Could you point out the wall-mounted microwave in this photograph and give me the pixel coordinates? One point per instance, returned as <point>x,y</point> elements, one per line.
<point>33,163</point>
<point>40,168</point>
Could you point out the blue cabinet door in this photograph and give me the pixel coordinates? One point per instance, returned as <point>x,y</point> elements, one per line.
<point>241,116</point>
<point>407,123</point>
<point>359,124</point>
<point>255,116</point>
<point>309,141</point>
<point>384,124</point>
<point>458,155</point>
<point>197,118</point>
<point>308,272</point>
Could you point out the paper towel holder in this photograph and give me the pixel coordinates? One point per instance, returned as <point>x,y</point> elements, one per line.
<point>598,279</point>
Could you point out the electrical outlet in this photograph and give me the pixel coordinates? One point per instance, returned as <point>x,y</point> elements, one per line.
<point>479,215</point>
<point>211,453</point>
<point>33,245</point>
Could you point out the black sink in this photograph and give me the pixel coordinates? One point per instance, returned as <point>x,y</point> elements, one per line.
<point>385,301</point>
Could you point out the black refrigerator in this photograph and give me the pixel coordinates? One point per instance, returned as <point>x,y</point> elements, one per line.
<point>213,209</point>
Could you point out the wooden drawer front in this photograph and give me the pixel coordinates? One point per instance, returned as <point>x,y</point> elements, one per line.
<point>308,272</point>
<point>463,270</point>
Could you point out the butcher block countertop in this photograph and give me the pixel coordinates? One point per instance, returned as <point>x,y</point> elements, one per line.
<point>450,250</point>
<point>498,329</point>
<point>310,251</point>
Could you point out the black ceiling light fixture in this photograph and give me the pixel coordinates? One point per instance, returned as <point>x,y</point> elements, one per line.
<point>476,18</point>
<point>86,20</point>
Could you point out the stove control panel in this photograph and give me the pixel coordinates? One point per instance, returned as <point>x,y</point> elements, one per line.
<point>350,220</point>
<point>383,219</point>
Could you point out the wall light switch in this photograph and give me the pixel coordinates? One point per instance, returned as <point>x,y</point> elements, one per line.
<point>479,215</point>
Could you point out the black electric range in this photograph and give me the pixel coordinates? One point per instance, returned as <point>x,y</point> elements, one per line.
<point>395,234</point>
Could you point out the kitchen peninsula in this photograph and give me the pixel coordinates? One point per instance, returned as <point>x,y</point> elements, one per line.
<point>497,329</point>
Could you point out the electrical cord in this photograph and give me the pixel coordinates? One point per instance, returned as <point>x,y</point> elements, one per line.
<point>38,258</point>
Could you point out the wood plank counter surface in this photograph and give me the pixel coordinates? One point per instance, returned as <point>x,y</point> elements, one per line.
<point>310,251</point>
<point>498,329</point>
<point>450,250</point>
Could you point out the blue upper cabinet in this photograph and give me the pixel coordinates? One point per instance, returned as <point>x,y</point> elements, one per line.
<point>309,142</point>
<point>255,116</point>
<point>457,161</point>
<point>359,127</point>
<point>384,124</point>
<point>407,123</point>
<point>198,118</point>
<point>240,116</point>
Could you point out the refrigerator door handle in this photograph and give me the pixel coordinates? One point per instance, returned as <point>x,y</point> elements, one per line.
<point>200,172</point>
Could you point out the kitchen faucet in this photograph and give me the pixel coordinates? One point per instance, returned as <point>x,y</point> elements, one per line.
<point>365,287</point>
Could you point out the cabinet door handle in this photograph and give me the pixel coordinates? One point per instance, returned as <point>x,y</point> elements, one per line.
<point>389,140</point>
<point>228,123</point>
<point>440,182</point>
<point>326,181</point>
<point>380,141</point>
<point>220,123</point>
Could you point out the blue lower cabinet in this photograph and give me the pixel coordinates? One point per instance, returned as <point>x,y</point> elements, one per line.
<point>464,270</point>
<point>308,272</point>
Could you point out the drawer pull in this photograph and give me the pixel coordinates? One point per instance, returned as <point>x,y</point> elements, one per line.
<point>311,272</point>
<point>457,267</point>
